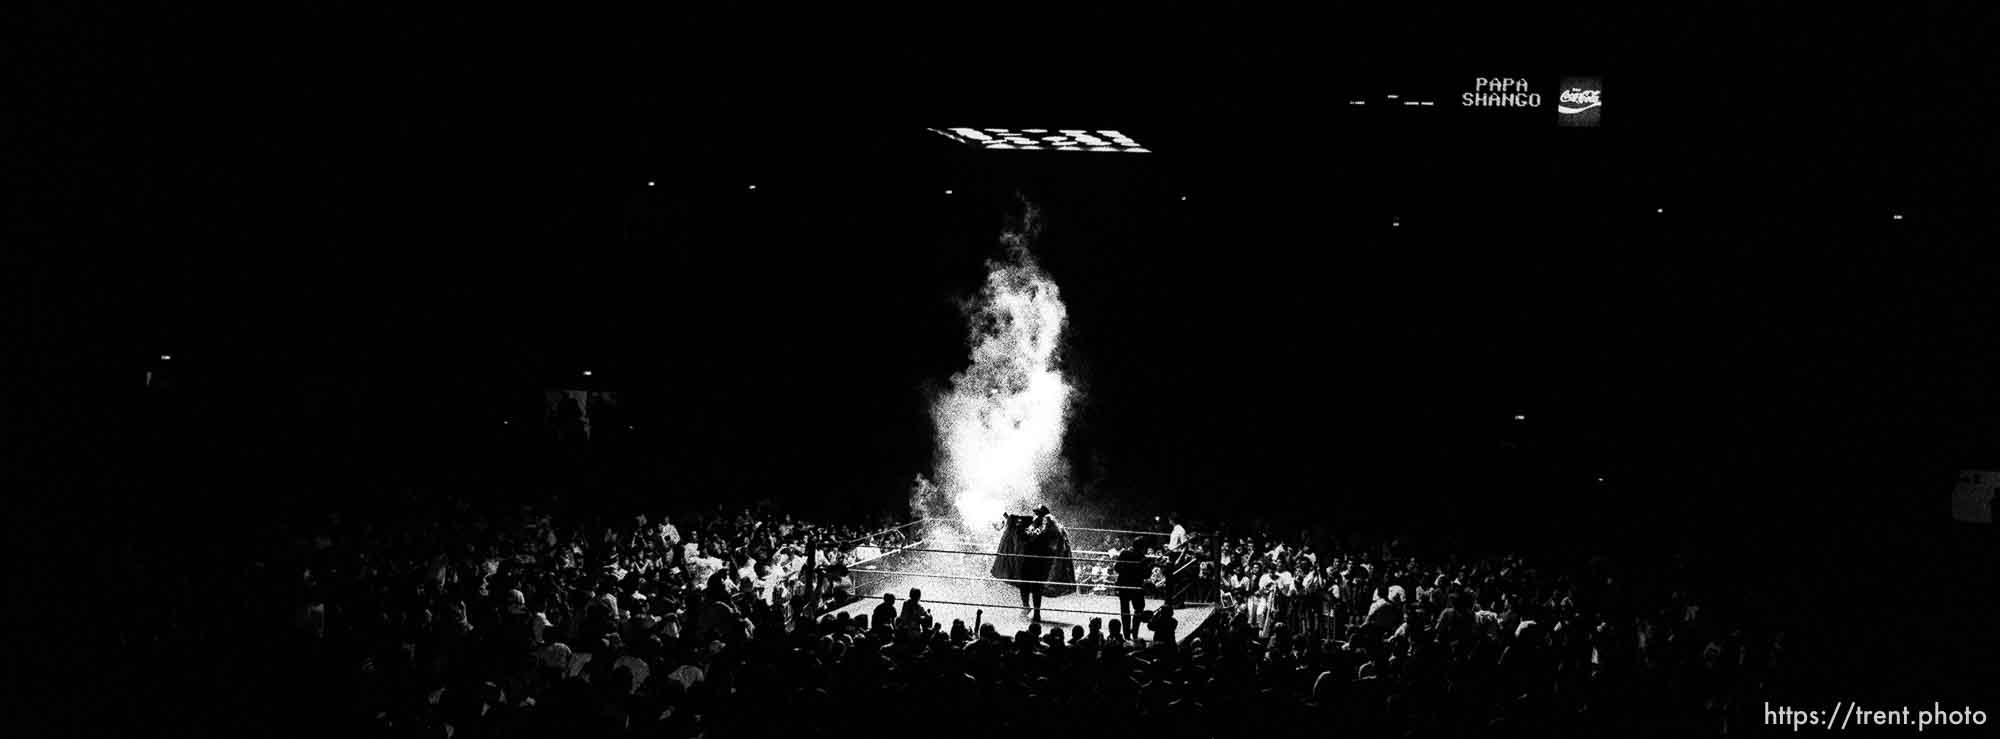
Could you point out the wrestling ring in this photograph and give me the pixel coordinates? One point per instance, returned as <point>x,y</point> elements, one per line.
<point>952,570</point>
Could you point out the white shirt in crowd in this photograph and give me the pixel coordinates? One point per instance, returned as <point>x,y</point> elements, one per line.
<point>1267,585</point>
<point>1178,538</point>
<point>766,588</point>
<point>1312,584</point>
<point>784,564</point>
<point>704,568</point>
<point>1487,622</point>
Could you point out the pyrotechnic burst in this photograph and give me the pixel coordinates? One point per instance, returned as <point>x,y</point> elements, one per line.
<point>1000,425</point>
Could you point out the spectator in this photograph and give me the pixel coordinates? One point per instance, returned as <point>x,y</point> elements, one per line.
<point>914,612</point>
<point>1387,611</point>
<point>1164,625</point>
<point>656,650</point>
<point>885,613</point>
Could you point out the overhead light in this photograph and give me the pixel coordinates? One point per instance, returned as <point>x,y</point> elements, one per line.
<point>1520,417</point>
<point>1183,198</point>
<point>586,373</point>
<point>1659,210</point>
<point>947,192</point>
<point>753,187</point>
<point>649,183</point>
<point>1040,139</point>
<point>1897,216</point>
<point>166,357</point>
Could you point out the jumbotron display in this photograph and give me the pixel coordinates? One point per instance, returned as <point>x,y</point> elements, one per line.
<point>1042,139</point>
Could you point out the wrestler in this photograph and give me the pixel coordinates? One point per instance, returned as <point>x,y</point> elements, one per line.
<point>1035,555</point>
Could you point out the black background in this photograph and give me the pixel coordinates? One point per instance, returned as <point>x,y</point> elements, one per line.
<point>368,236</point>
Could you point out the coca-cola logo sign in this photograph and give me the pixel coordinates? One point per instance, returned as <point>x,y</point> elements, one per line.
<point>1581,102</point>
<point>1575,100</point>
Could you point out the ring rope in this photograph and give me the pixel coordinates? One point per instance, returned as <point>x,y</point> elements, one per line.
<point>1076,528</point>
<point>994,554</point>
<point>1079,585</point>
<point>926,601</point>
<point>880,556</point>
<point>865,537</point>
<point>977,545</point>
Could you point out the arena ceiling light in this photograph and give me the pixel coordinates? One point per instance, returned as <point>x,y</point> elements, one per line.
<point>1042,139</point>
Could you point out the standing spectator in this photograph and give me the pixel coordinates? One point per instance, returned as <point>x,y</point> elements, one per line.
<point>1284,595</point>
<point>1266,590</point>
<point>669,535</point>
<point>1311,594</point>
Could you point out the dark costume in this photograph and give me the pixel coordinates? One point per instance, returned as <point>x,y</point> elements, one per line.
<point>1132,568</point>
<point>1036,535</point>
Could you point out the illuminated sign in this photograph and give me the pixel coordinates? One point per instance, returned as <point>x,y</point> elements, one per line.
<point>1974,498</point>
<point>1581,102</point>
<point>1042,139</point>
<point>1500,92</point>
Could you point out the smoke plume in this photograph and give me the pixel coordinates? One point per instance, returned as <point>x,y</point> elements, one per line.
<point>1000,425</point>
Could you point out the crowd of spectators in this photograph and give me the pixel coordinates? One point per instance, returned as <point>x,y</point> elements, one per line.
<point>710,624</point>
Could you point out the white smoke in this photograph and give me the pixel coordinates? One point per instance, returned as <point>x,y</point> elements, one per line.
<point>1000,425</point>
